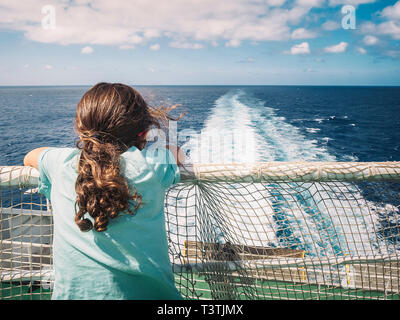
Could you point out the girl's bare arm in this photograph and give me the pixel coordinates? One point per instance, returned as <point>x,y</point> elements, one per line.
<point>32,157</point>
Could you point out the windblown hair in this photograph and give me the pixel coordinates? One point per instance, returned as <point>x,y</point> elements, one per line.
<point>109,120</point>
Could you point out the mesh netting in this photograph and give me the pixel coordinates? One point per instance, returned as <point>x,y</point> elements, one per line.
<point>25,237</point>
<point>260,231</point>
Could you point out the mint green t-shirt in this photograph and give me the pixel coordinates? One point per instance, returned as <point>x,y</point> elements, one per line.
<point>130,259</point>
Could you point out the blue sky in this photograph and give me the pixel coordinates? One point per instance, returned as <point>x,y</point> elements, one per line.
<point>271,42</point>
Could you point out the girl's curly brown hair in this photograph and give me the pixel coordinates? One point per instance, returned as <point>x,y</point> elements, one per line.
<point>109,120</point>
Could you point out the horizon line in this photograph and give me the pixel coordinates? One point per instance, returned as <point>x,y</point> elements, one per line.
<point>209,85</point>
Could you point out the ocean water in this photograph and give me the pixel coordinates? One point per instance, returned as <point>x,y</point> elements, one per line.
<point>244,124</point>
<point>282,123</point>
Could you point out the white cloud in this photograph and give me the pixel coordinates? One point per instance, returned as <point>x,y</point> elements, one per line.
<point>395,54</point>
<point>185,45</point>
<point>48,67</point>
<point>361,50</point>
<point>214,43</point>
<point>338,48</point>
<point>388,28</point>
<point>155,47</point>
<point>233,43</point>
<point>310,3</point>
<point>370,40</point>
<point>334,3</point>
<point>368,27</point>
<point>330,25</point>
<point>302,33</point>
<point>302,48</point>
<point>275,3</point>
<point>87,50</point>
<point>130,23</point>
<point>392,12</point>
<point>151,33</point>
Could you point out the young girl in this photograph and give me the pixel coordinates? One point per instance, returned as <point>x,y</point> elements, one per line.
<point>107,197</point>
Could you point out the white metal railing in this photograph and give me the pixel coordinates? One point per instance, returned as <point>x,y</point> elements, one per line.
<point>318,208</point>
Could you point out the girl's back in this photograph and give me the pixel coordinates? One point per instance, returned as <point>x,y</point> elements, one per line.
<point>124,252</point>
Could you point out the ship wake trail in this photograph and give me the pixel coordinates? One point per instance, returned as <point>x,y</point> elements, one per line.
<point>304,216</point>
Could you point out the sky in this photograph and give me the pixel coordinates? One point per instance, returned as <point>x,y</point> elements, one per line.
<point>200,42</point>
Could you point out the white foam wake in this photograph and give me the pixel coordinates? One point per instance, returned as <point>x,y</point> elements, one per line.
<point>241,128</point>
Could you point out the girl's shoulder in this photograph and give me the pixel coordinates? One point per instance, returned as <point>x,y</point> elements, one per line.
<point>54,156</point>
<point>55,164</point>
<point>156,160</point>
<point>59,152</point>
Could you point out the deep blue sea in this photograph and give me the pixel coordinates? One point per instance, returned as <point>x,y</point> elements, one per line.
<point>244,124</point>
<point>280,123</point>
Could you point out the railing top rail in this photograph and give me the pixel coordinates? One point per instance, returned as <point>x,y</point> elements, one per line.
<point>298,171</point>
<point>293,171</point>
<point>18,176</point>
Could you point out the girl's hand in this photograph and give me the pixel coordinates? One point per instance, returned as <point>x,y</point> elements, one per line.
<point>178,154</point>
